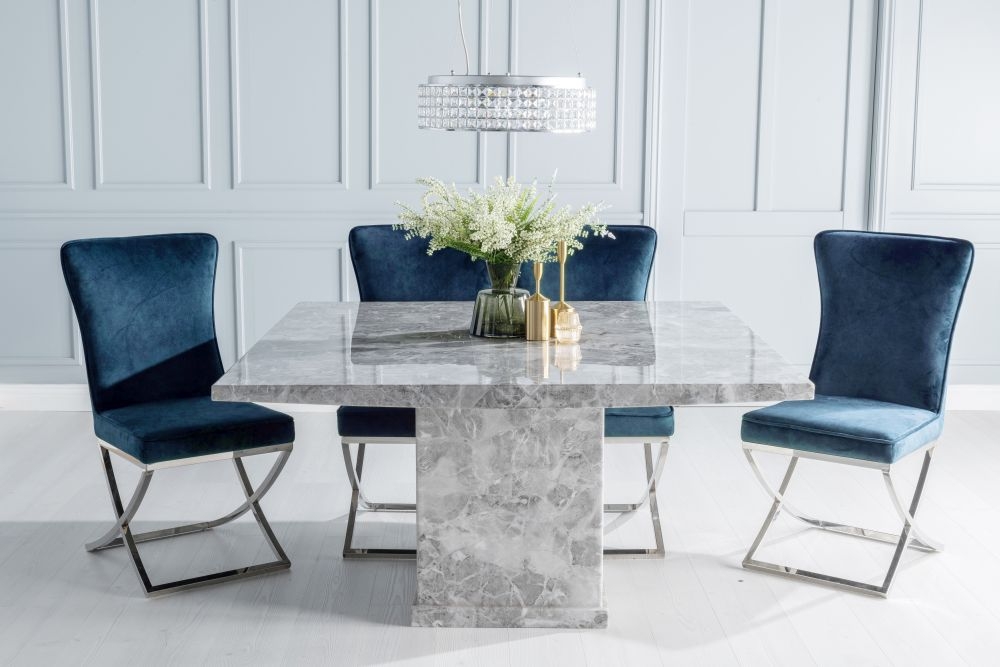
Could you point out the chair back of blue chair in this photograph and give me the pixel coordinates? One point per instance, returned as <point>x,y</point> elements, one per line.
<point>605,270</point>
<point>390,267</point>
<point>145,307</point>
<point>889,305</point>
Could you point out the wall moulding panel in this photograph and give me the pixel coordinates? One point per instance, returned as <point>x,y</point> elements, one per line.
<point>803,104</point>
<point>399,152</point>
<point>945,123</point>
<point>46,308</point>
<point>777,114</point>
<point>289,106</point>
<point>591,31</point>
<point>272,276</point>
<point>737,128</point>
<point>150,107</point>
<point>764,143</point>
<point>36,132</point>
<point>935,144</point>
<point>938,138</point>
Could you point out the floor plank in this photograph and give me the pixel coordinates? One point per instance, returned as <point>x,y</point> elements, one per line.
<point>60,605</point>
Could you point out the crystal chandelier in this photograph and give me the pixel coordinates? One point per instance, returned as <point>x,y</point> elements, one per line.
<point>505,103</point>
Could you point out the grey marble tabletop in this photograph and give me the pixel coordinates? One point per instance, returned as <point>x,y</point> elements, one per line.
<point>421,355</point>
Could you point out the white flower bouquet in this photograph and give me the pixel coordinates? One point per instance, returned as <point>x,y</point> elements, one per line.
<point>509,223</point>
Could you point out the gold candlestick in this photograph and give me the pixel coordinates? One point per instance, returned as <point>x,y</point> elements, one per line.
<point>537,314</point>
<point>562,306</point>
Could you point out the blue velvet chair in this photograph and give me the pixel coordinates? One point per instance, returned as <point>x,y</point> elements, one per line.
<point>145,307</point>
<point>606,270</point>
<point>889,305</point>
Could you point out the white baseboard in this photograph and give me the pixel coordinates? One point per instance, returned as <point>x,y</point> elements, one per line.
<point>74,398</point>
<point>973,397</point>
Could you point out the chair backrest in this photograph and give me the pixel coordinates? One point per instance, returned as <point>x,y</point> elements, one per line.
<point>889,305</point>
<point>605,270</point>
<point>145,307</point>
<point>390,267</point>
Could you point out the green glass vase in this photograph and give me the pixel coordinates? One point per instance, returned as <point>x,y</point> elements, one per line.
<point>499,311</point>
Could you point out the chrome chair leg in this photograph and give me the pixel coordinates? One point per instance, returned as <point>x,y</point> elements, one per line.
<point>627,511</point>
<point>121,533</point>
<point>918,539</point>
<point>113,539</point>
<point>867,533</point>
<point>360,503</point>
<point>909,536</point>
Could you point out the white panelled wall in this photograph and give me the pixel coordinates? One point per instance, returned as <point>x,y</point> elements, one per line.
<point>937,166</point>
<point>737,128</point>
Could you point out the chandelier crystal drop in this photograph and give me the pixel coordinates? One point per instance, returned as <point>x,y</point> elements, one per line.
<point>507,104</point>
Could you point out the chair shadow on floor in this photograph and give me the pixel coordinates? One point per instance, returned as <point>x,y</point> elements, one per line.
<point>354,604</point>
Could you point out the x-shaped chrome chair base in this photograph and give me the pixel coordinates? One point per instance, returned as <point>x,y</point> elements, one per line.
<point>910,535</point>
<point>121,533</point>
<point>624,511</point>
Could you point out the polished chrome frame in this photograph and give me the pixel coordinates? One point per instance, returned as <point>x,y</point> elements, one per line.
<point>625,511</point>
<point>121,533</point>
<point>910,535</point>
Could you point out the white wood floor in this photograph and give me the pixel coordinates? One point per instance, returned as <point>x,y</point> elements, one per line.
<point>60,605</point>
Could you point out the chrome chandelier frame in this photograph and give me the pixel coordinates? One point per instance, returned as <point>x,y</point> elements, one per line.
<point>121,533</point>
<point>625,511</point>
<point>909,537</point>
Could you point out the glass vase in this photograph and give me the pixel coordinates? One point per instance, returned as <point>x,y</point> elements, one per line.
<point>499,311</point>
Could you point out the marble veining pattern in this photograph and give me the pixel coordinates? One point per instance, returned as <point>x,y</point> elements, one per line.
<point>509,443</point>
<point>421,355</point>
<point>509,518</point>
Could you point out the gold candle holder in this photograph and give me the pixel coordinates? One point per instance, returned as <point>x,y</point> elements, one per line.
<point>562,306</point>
<point>537,314</point>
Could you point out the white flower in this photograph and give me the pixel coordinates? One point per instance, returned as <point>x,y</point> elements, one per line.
<point>508,223</point>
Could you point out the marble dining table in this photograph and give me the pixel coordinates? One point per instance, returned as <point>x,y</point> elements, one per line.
<point>509,432</point>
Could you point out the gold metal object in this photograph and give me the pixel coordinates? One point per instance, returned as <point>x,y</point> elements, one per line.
<point>537,314</point>
<point>562,306</point>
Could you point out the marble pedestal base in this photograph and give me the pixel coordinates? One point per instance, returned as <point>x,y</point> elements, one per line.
<point>509,518</point>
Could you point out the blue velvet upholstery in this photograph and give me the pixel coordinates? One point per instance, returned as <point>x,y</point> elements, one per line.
<point>889,304</point>
<point>145,307</point>
<point>391,268</point>
<point>638,422</point>
<point>182,428</point>
<point>858,428</point>
<point>605,270</point>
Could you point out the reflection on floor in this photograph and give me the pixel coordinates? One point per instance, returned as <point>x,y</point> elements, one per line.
<point>61,605</point>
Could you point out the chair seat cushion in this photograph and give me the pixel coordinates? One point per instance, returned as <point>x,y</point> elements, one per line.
<point>365,422</point>
<point>360,422</point>
<point>856,428</point>
<point>638,422</point>
<point>187,427</point>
